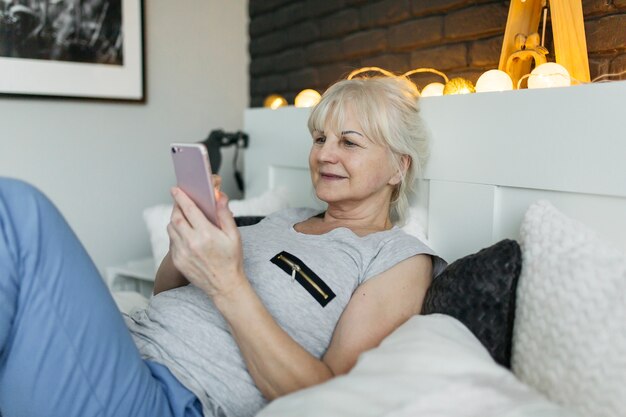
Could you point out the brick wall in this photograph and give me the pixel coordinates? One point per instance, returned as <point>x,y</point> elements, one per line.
<point>297,44</point>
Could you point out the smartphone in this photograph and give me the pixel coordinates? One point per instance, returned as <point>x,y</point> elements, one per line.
<point>193,175</point>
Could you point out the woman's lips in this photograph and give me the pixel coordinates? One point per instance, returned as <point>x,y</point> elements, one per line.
<point>331,177</point>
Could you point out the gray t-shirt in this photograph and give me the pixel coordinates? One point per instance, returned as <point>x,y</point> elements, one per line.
<point>305,282</point>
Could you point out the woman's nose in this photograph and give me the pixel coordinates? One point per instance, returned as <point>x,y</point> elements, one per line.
<point>327,152</point>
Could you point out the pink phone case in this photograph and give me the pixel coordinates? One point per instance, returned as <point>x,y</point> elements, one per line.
<point>193,174</point>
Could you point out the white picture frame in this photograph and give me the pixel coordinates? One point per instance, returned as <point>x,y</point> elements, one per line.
<point>64,78</point>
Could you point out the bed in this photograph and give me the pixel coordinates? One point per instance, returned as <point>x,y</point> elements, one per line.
<point>542,168</point>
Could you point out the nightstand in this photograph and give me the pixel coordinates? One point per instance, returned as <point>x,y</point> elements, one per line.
<point>136,275</point>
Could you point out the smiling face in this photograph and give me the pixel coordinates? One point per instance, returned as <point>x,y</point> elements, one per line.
<point>347,167</point>
<point>369,138</point>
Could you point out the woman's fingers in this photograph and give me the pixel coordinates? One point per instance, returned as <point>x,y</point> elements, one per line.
<point>224,215</point>
<point>207,256</point>
<point>179,221</point>
<point>189,209</point>
<point>177,229</point>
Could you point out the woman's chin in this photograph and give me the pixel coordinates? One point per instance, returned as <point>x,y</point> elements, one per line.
<point>328,197</point>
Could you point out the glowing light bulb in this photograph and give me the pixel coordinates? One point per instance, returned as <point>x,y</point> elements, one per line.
<point>548,75</point>
<point>274,101</point>
<point>307,98</point>
<point>432,90</point>
<point>494,80</point>
<point>458,85</point>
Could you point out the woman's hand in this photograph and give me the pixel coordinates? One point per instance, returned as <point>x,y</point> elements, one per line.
<point>209,257</point>
<point>168,276</point>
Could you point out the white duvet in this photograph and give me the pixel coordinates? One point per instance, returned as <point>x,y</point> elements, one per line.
<point>431,366</point>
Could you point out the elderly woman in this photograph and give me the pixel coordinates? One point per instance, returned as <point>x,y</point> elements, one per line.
<point>239,316</point>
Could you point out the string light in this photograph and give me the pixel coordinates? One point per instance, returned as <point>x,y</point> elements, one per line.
<point>370,69</point>
<point>596,80</point>
<point>421,70</point>
<point>494,80</point>
<point>433,90</point>
<point>545,75</point>
<point>600,77</point>
<point>457,86</point>
<point>274,101</point>
<point>548,75</point>
<point>307,98</point>
<point>528,47</point>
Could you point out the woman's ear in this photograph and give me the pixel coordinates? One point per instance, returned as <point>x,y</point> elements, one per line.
<point>405,163</point>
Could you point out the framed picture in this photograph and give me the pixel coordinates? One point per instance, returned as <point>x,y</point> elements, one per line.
<point>72,48</point>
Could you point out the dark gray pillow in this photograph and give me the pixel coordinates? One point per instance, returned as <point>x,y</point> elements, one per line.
<point>245,221</point>
<point>479,290</point>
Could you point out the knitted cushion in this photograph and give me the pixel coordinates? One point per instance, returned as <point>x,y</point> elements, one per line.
<point>570,329</point>
<point>479,290</point>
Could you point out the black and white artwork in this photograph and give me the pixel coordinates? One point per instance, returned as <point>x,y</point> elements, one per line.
<point>72,48</point>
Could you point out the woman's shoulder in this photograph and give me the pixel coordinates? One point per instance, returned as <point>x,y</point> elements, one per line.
<point>398,245</point>
<point>400,237</point>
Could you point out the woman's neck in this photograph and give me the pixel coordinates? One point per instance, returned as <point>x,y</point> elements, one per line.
<point>369,218</point>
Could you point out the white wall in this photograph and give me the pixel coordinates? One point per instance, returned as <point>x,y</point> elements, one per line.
<point>102,163</point>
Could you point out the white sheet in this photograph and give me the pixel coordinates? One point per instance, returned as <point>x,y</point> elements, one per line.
<point>431,366</point>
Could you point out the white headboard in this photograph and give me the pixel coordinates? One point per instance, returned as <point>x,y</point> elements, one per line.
<point>493,154</point>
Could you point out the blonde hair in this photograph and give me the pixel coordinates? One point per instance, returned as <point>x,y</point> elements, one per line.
<point>388,112</point>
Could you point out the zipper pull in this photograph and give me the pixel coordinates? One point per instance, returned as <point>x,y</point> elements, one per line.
<point>295,268</point>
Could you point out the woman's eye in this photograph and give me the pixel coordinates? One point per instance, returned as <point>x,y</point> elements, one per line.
<point>320,140</point>
<point>349,143</point>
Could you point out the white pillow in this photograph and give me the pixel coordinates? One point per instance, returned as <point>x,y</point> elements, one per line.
<point>430,366</point>
<point>417,223</point>
<point>266,203</point>
<point>569,337</point>
<point>158,217</point>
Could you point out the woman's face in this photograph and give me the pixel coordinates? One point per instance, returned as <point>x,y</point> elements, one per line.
<point>349,167</point>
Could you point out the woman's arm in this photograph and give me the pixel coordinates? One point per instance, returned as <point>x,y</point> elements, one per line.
<point>279,365</point>
<point>167,276</point>
<point>377,308</point>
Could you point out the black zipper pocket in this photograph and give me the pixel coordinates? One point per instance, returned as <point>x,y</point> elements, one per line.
<point>304,276</point>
